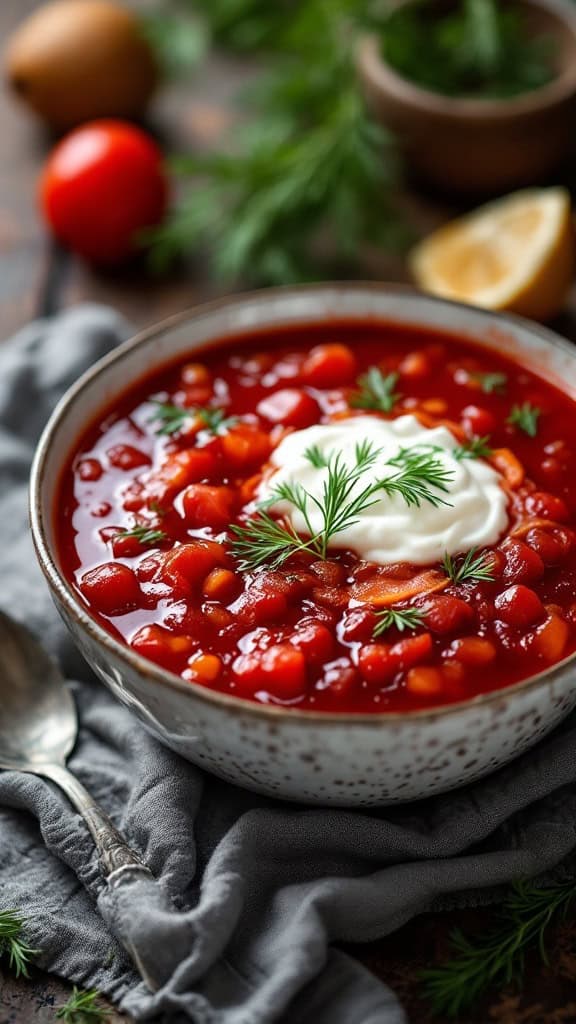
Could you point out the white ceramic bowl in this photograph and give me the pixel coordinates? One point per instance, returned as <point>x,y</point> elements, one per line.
<point>300,755</point>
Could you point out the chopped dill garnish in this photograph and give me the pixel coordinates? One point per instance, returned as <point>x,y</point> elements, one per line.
<point>475,448</point>
<point>376,391</point>
<point>400,618</point>
<point>469,569</point>
<point>525,417</point>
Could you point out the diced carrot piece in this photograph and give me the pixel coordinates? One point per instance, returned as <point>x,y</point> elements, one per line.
<point>473,650</point>
<point>383,590</point>
<point>412,650</point>
<point>504,460</point>
<point>424,681</point>
<point>551,637</point>
<point>222,585</point>
<point>245,447</point>
<point>203,668</point>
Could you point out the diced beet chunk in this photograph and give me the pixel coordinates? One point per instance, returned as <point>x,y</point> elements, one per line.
<point>519,606</point>
<point>280,670</point>
<point>291,407</point>
<point>523,565</point>
<point>126,457</point>
<point>329,366</point>
<point>445,614</point>
<point>111,588</point>
<point>205,505</point>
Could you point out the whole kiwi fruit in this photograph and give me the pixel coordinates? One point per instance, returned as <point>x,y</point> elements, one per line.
<point>76,60</point>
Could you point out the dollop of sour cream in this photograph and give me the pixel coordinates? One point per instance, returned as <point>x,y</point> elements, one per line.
<point>475,513</point>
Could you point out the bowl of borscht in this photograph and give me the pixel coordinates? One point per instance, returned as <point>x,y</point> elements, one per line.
<point>321,539</point>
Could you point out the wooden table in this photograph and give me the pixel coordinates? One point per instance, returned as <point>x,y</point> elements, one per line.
<point>35,278</point>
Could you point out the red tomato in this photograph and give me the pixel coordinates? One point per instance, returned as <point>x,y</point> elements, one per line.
<point>101,186</point>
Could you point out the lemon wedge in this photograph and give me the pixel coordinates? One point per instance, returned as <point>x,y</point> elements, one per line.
<point>516,253</point>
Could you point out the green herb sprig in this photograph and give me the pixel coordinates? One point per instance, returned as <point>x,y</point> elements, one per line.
<point>145,535</point>
<point>475,448</point>
<point>306,184</point>
<point>419,476</point>
<point>376,391</point>
<point>471,568</point>
<point>491,383</point>
<point>525,417</point>
<point>173,418</point>
<point>480,49</point>
<point>84,1007</point>
<point>496,958</point>
<point>399,618</point>
<point>12,943</point>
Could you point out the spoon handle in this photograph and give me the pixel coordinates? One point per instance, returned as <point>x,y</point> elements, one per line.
<point>119,864</point>
<point>116,858</point>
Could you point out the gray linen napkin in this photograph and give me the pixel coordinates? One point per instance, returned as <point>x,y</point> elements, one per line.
<point>260,889</point>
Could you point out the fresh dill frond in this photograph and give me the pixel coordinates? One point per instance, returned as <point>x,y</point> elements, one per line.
<point>525,417</point>
<point>475,448</point>
<point>267,540</point>
<point>13,945</point>
<point>143,534</point>
<point>84,1007</point>
<point>469,569</point>
<point>400,618</point>
<point>216,420</point>
<point>491,383</point>
<point>376,391</point>
<point>420,474</point>
<point>497,956</point>
<point>173,418</point>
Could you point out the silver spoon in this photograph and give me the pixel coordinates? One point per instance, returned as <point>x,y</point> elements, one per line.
<point>38,730</point>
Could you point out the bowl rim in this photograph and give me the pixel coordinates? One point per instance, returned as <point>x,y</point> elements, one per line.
<point>386,79</point>
<point>78,611</point>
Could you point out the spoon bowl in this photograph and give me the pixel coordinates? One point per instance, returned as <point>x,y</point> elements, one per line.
<point>38,722</point>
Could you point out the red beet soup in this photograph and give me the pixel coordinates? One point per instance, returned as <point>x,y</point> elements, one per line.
<point>353,517</point>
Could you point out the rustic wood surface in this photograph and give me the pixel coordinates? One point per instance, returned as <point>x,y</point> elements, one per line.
<point>35,278</point>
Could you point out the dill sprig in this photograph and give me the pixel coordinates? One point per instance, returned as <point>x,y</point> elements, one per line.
<point>13,945</point>
<point>144,534</point>
<point>419,475</point>
<point>84,1007</point>
<point>497,957</point>
<point>400,618</point>
<point>419,472</point>
<point>306,166</point>
<point>475,448</point>
<point>376,391</point>
<point>491,383</point>
<point>172,418</point>
<point>469,569</point>
<point>525,417</point>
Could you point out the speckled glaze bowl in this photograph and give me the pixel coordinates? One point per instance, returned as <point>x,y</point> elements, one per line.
<point>301,755</point>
